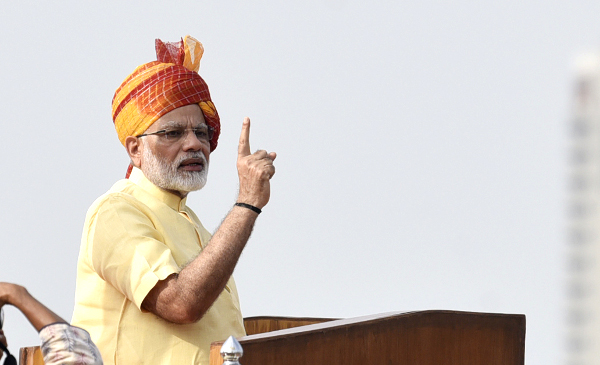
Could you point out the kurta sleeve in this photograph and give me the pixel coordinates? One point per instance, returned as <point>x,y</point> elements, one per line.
<point>127,251</point>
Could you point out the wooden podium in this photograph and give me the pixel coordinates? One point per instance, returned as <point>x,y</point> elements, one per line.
<point>417,338</point>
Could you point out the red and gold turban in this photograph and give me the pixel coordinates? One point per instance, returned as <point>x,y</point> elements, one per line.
<point>161,86</point>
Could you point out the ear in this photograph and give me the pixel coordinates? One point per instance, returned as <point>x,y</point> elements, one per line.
<point>134,149</point>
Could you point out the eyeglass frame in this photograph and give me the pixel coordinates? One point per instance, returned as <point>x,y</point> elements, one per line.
<point>163,133</point>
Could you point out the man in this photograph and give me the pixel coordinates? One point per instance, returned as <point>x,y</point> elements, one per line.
<point>153,286</point>
<point>61,343</point>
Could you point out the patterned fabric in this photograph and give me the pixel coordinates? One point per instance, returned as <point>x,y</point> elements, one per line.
<point>68,345</point>
<point>158,87</point>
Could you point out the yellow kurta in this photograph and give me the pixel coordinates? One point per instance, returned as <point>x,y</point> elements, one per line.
<point>135,235</point>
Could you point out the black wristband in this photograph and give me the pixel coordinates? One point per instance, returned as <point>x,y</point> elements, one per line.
<point>251,207</point>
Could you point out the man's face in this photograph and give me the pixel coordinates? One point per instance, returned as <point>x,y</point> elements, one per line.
<point>177,159</point>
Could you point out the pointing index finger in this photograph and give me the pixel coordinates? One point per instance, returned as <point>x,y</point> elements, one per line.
<point>244,146</point>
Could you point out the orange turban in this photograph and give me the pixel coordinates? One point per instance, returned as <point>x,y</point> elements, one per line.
<point>161,86</point>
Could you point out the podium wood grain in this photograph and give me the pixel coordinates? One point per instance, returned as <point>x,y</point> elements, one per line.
<point>416,338</point>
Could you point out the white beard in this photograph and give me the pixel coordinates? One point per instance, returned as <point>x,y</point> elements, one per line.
<point>167,176</point>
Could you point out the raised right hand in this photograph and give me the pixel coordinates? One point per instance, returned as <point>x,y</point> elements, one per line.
<point>255,171</point>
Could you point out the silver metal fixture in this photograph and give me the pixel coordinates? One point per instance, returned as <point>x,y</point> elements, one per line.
<point>231,351</point>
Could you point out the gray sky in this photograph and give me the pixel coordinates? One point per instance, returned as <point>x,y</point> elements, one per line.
<point>421,147</point>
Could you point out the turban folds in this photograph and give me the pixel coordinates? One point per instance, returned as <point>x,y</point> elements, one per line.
<point>158,87</point>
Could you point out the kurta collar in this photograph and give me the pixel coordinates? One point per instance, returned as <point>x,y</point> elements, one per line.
<point>175,202</point>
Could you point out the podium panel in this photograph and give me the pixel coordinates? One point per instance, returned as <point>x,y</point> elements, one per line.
<point>255,325</point>
<point>415,338</point>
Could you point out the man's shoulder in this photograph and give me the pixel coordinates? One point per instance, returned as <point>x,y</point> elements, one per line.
<point>123,191</point>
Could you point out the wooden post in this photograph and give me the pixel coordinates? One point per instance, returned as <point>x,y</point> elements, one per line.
<point>31,356</point>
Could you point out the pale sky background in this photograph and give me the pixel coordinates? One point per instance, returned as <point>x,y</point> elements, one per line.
<point>421,147</point>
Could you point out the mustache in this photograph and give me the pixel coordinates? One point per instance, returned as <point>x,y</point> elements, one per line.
<point>190,155</point>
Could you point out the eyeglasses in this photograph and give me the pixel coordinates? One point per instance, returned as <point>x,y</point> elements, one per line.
<point>10,359</point>
<point>172,135</point>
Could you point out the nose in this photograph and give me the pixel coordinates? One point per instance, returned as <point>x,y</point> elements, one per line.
<point>192,143</point>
